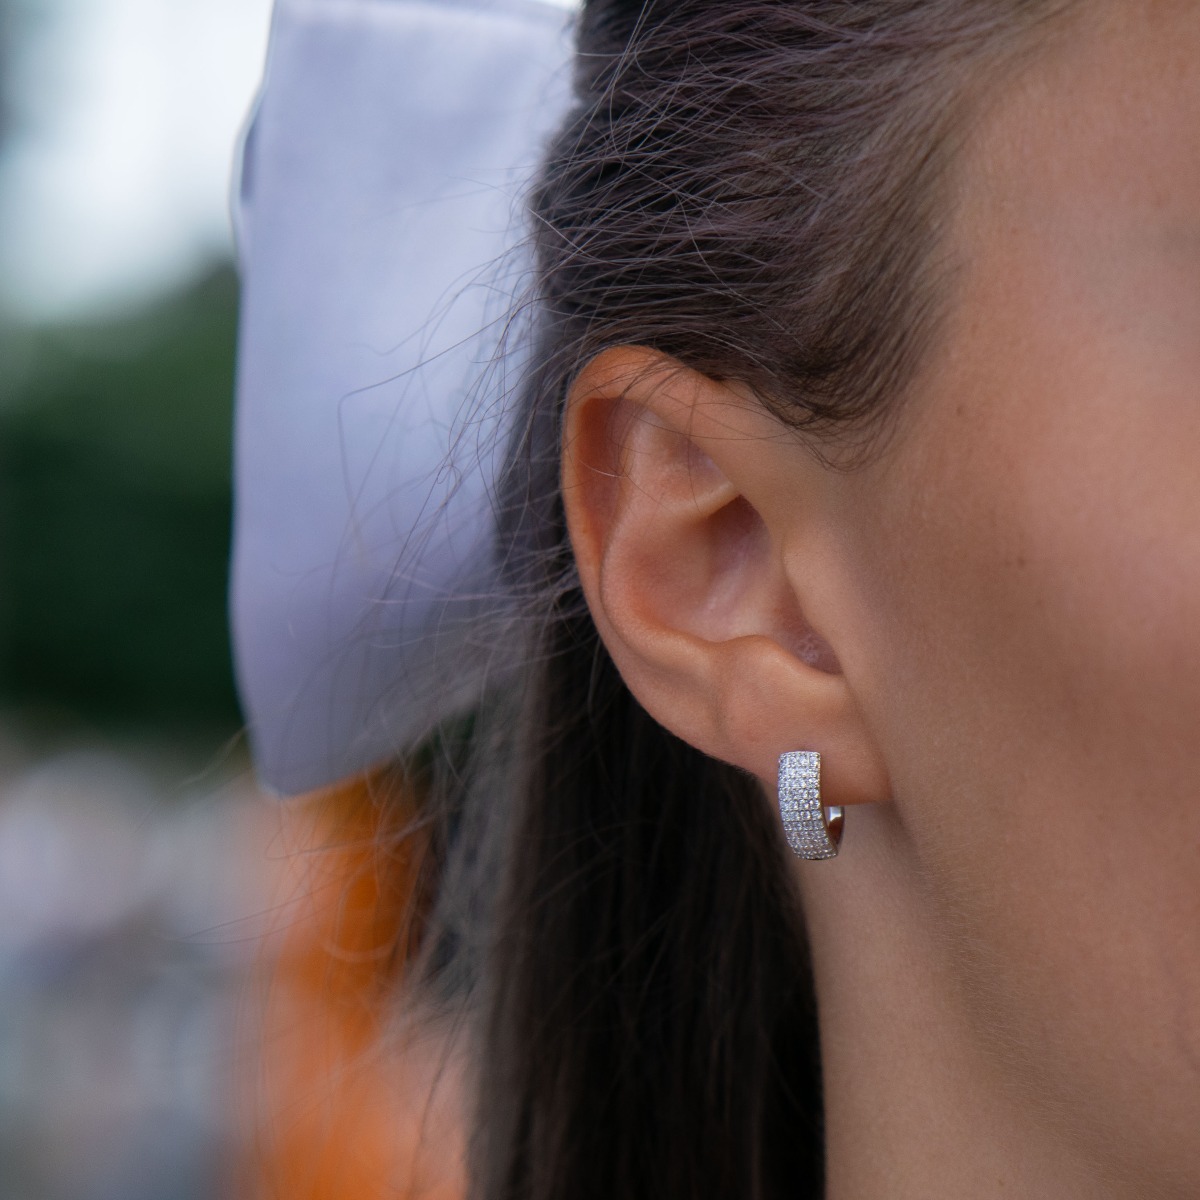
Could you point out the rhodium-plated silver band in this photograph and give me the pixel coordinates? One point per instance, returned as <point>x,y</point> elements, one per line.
<point>813,830</point>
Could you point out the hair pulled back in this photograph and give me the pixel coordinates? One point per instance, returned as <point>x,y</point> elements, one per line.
<point>754,189</point>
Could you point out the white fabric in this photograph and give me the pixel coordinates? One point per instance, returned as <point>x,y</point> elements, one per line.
<point>381,188</point>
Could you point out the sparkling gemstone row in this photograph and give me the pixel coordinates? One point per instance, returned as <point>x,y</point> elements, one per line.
<point>800,805</point>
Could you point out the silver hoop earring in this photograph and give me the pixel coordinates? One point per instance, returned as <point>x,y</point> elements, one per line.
<point>813,830</point>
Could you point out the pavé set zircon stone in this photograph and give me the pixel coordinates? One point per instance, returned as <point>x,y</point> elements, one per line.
<point>813,830</point>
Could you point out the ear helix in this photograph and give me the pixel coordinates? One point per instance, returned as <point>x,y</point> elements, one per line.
<point>813,830</point>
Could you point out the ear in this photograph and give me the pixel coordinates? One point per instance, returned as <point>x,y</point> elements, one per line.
<point>686,505</point>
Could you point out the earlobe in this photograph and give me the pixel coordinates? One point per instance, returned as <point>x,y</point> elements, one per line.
<point>670,483</point>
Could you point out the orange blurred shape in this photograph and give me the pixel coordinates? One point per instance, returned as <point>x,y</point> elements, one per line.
<point>346,1102</point>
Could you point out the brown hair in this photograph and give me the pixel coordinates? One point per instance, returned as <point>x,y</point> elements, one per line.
<point>754,189</point>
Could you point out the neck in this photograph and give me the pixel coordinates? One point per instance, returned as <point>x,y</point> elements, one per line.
<point>916,1106</point>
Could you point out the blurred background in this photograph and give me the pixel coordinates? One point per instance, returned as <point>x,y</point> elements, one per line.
<point>131,842</point>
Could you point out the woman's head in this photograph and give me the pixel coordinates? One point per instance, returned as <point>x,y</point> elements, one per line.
<point>871,343</point>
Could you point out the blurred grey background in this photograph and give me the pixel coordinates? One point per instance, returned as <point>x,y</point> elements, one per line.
<point>131,847</point>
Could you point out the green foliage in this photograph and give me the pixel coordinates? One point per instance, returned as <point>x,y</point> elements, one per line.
<point>115,514</point>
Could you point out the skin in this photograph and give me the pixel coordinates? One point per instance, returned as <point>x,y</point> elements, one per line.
<point>1007,950</point>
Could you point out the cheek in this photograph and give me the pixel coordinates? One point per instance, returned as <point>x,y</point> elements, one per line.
<point>1033,569</point>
